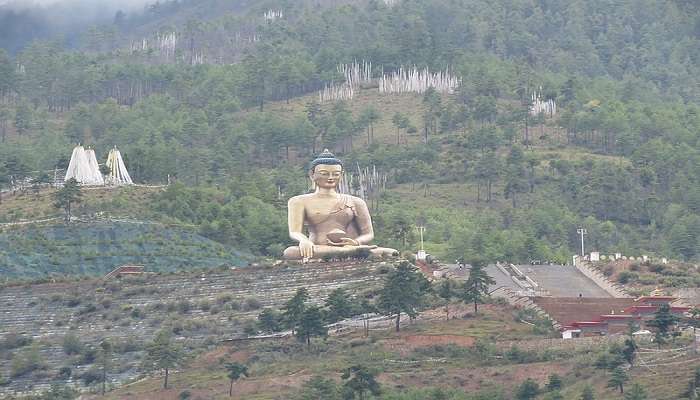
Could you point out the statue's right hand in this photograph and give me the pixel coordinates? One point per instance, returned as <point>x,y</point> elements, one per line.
<point>306,248</point>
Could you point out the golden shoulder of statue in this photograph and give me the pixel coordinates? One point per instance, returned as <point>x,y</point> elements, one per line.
<point>339,225</point>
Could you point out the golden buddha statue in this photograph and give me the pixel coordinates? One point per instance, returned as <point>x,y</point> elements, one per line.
<point>339,225</point>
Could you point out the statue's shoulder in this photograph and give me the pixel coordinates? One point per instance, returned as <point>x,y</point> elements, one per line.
<point>302,198</point>
<point>355,201</point>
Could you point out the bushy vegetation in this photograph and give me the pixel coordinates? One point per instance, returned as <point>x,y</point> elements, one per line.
<point>624,76</point>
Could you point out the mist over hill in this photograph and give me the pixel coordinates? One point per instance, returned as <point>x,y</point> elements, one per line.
<point>64,20</point>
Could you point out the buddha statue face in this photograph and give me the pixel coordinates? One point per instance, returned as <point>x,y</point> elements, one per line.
<point>327,176</point>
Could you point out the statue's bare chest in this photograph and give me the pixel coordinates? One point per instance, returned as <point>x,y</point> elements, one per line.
<point>338,210</point>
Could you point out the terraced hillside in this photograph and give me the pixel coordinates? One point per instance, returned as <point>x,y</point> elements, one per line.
<point>96,247</point>
<point>201,308</point>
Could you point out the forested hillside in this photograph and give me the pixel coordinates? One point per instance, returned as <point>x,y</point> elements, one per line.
<point>225,100</point>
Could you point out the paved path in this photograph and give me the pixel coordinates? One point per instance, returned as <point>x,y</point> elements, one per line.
<point>557,280</point>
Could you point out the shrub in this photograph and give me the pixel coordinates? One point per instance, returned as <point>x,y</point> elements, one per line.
<point>252,303</point>
<point>106,303</point>
<point>15,340</point>
<point>626,276</point>
<point>72,301</point>
<point>184,306</point>
<point>647,279</point>
<point>224,298</point>
<point>26,361</point>
<point>204,305</point>
<point>249,328</point>
<point>657,268</point>
<point>127,345</point>
<point>87,309</point>
<point>528,390</point>
<point>184,395</point>
<point>137,313</point>
<point>88,356</point>
<point>64,373</point>
<point>93,375</point>
<point>72,344</point>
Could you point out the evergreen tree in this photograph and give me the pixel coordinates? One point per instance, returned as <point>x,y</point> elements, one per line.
<point>338,306</point>
<point>477,285</point>
<point>163,354</point>
<point>310,325</point>
<point>403,291</point>
<point>629,351</point>
<point>105,357</point>
<point>358,381</point>
<point>636,392</point>
<point>554,383</point>
<point>68,195</point>
<point>587,393</point>
<point>527,390</point>
<point>269,320</point>
<point>235,371</point>
<point>320,388</point>
<point>294,308</point>
<point>446,291</point>
<point>618,379</point>
<point>663,322</point>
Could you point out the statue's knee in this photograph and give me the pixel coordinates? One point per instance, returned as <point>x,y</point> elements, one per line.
<point>291,253</point>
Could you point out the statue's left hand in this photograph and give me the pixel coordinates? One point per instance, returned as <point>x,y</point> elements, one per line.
<point>344,242</point>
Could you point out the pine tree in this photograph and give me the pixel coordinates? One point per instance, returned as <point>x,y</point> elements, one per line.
<point>359,380</point>
<point>338,306</point>
<point>294,308</point>
<point>310,325</point>
<point>403,291</point>
<point>477,285</point>
<point>269,320</point>
<point>68,195</point>
<point>235,371</point>
<point>618,379</point>
<point>527,390</point>
<point>446,291</point>
<point>587,393</point>
<point>636,392</point>
<point>663,321</point>
<point>163,354</point>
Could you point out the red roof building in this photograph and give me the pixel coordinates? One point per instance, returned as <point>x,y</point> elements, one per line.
<point>594,317</point>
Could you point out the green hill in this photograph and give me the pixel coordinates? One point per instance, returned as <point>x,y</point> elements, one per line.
<point>230,110</point>
<point>98,247</point>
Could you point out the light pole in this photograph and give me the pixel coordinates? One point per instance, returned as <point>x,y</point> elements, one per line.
<point>581,231</point>
<point>421,253</point>
<point>421,229</point>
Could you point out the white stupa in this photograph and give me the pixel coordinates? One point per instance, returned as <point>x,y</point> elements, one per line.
<point>118,174</point>
<point>94,167</point>
<point>82,168</point>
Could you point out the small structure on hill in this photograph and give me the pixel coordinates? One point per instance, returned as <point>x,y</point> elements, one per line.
<point>584,316</point>
<point>125,270</point>
<point>82,169</point>
<point>118,175</point>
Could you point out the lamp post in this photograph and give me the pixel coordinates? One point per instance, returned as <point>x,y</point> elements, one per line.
<point>421,252</point>
<point>581,231</point>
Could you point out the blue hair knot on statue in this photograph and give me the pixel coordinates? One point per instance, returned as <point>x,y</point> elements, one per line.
<point>325,158</point>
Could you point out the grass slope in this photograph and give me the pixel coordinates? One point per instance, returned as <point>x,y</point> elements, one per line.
<point>96,246</point>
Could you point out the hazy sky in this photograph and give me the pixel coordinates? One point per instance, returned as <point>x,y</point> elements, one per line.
<point>119,4</point>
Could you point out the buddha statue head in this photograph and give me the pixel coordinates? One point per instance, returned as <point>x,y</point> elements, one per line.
<point>326,171</point>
